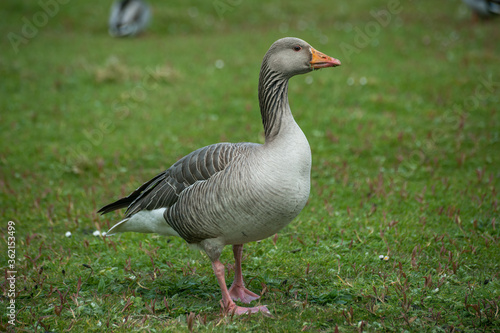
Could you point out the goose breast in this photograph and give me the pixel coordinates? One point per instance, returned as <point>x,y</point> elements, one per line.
<point>259,193</point>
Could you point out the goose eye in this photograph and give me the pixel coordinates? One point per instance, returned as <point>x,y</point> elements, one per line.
<point>297,48</point>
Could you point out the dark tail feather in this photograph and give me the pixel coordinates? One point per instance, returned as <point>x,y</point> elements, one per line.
<point>122,203</point>
<point>127,201</point>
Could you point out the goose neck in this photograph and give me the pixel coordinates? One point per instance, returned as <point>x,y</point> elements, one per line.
<point>273,101</point>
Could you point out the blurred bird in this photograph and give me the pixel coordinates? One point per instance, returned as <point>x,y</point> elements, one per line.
<point>128,17</point>
<point>484,8</point>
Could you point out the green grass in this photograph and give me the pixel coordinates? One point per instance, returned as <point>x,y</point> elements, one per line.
<point>406,152</point>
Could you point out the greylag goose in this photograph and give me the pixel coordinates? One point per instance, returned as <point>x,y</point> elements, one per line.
<point>235,193</point>
<point>128,17</point>
<point>484,8</point>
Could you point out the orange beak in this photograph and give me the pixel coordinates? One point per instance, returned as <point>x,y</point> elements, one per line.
<point>321,60</point>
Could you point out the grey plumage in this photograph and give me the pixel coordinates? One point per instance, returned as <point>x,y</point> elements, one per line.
<point>165,188</point>
<point>128,17</point>
<point>234,193</point>
<point>484,8</point>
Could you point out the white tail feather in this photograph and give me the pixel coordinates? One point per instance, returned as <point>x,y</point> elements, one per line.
<point>146,221</point>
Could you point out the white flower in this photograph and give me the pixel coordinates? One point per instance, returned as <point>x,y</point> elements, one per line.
<point>219,63</point>
<point>381,256</point>
<point>68,234</point>
<point>96,233</point>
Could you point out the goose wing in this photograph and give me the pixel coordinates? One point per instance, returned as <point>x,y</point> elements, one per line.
<point>164,189</point>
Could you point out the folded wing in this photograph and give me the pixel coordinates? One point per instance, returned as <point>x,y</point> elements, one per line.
<point>164,189</point>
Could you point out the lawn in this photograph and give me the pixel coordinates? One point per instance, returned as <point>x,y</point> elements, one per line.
<point>401,231</point>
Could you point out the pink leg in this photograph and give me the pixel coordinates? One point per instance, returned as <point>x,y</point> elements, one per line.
<point>238,290</point>
<point>227,303</point>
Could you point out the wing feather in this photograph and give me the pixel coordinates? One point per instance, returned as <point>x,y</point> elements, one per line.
<point>164,189</point>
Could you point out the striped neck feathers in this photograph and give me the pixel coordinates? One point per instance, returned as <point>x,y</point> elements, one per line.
<point>273,99</point>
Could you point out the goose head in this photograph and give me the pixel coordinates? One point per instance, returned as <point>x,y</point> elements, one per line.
<point>292,56</point>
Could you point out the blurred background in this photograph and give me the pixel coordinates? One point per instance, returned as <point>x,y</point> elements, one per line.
<point>406,129</point>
